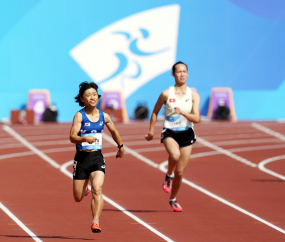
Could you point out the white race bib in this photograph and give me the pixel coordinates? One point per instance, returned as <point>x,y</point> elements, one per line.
<point>97,145</point>
<point>177,123</point>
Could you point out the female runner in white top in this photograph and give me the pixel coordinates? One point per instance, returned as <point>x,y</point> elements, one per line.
<point>186,114</point>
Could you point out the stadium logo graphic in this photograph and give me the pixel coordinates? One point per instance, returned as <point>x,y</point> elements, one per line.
<point>132,51</point>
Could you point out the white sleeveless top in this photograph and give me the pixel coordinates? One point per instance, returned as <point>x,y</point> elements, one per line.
<point>172,120</point>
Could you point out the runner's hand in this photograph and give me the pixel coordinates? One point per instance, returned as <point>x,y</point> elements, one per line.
<point>90,139</point>
<point>149,136</point>
<point>120,153</point>
<point>178,110</point>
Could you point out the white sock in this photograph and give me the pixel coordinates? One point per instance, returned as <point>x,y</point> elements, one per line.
<point>172,200</point>
<point>95,220</point>
<point>172,175</point>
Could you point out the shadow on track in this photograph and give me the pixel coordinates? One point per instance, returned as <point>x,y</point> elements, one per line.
<point>136,211</point>
<point>268,180</point>
<point>44,237</point>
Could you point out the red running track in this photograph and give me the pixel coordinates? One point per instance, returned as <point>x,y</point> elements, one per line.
<point>233,190</point>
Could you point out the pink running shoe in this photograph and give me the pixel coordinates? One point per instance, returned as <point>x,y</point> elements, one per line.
<point>87,191</point>
<point>175,206</point>
<point>167,184</point>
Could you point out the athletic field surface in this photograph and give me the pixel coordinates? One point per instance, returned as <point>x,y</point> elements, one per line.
<point>233,187</point>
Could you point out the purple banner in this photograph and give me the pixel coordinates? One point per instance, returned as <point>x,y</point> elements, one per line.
<point>112,100</point>
<point>38,103</point>
<point>220,98</point>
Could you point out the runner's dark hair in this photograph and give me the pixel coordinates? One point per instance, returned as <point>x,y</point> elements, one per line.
<point>179,62</point>
<point>83,86</point>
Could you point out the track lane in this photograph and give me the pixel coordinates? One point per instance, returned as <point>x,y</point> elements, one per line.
<point>135,235</point>
<point>146,171</point>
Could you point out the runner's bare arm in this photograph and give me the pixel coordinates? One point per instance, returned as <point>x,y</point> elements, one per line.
<point>115,134</point>
<point>195,115</point>
<point>75,128</point>
<point>161,100</point>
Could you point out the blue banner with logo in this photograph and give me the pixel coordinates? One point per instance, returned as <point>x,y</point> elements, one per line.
<point>132,45</point>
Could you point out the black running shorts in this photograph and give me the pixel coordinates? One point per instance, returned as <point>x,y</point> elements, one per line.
<point>87,162</point>
<point>183,138</point>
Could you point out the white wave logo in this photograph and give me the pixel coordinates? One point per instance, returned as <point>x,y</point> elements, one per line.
<point>132,51</point>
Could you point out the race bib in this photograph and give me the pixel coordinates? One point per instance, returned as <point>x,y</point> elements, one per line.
<point>97,145</point>
<point>177,123</point>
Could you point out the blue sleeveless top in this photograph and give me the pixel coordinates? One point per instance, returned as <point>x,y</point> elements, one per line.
<point>89,128</point>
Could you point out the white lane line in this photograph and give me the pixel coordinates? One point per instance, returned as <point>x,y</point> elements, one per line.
<point>205,136</point>
<point>247,141</point>
<point>159,148</point>
<point>164,170</point>
<point>2,157</point>
<point>33,138</point>
<point>64,170</point>
<point>197,155</point>
<point>264,147</point>
<point>44,143</point>
<point>130,151</point>
<point>196,187</point>
<point>226,152</point>
<point>281,120</point>
<point>30,146</point>
<point>244,149</point>
<point>223,143</point>
<point>13,155</point>
<point>63,167</point>
<point>134,153</point>
<point>263,163</point>
<point>16,220</point>
<point>256,134</point>
<point>268,131</point>
<point>162,167</point>
<point>203,154</point>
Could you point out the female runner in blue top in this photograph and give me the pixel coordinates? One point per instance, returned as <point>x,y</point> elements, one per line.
<point>181,110</point>
<point>89,163</point>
